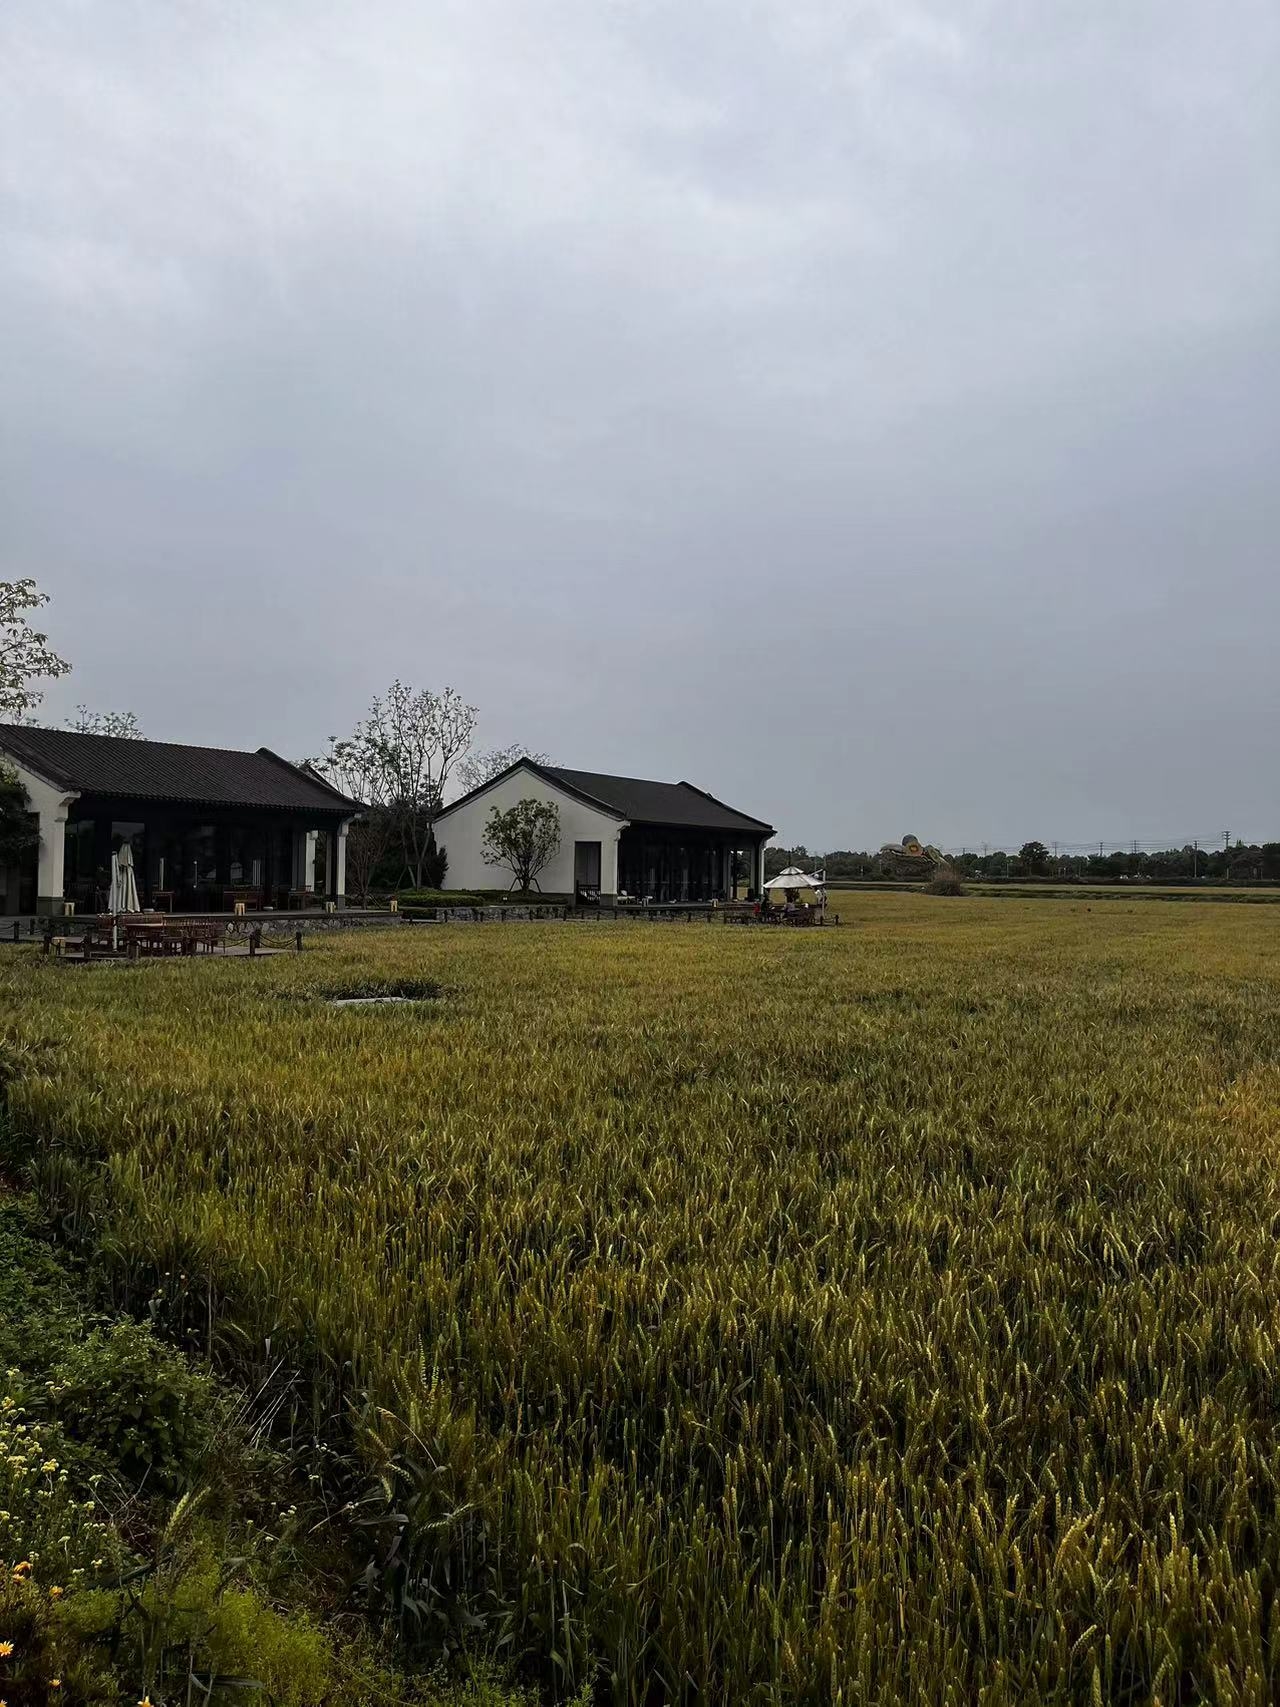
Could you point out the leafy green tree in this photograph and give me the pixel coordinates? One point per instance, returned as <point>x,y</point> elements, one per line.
<point>18,831</point>
<point>524,838</point>
<point>1033,858</point>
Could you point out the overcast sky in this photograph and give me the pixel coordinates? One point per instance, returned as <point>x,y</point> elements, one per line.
<point>866,410</point>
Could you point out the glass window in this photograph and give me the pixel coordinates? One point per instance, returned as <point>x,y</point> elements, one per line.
<point>79,879</point>
<point>165,852</point>
<point>134,834</point>
<point>586,865</point>
<point>247,850</point>
<point>199,856</point>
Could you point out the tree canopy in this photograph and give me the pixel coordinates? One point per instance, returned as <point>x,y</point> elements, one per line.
<point>478,768</point>
<point>398,760</point>
<point>25,654</point>
<point>524,838</point>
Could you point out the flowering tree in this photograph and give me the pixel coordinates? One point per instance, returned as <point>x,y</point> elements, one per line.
<point>478,768</point>
<point>524,838</point>
<point>122,724</point>
<point>25,654</point>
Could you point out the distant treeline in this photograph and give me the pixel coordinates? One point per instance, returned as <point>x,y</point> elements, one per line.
<point>1241,863</point>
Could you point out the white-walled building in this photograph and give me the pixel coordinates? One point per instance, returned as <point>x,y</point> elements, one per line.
<point>661,841</point>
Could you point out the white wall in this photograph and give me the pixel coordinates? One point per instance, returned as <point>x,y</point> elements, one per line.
<point>50,804</point>
<point>462,833</point>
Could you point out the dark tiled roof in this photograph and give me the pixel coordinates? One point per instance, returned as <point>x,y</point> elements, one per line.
<point>678,804</point>
<point>161,770</point>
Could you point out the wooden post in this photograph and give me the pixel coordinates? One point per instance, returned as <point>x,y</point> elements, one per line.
<point>297,941</point>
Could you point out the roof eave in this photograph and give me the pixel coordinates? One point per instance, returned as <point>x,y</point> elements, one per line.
<point>544,775</point>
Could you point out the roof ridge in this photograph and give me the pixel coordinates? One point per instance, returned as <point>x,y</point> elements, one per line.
<point>307,770</point>
<point>137,741</point>
<point>123,767</point>
<point>716,801</point>
<point>548,773</point>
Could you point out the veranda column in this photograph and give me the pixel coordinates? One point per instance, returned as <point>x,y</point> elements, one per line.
<point>51,863</point>
<point>757,871</point>
<point>339,886</point>
<point>304,859</point>
<point>609,865</point>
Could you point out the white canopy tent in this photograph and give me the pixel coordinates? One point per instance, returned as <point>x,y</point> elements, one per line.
<point>804,883</point>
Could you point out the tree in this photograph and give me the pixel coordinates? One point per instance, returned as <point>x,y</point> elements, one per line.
<point>122,724</point>
<point>368,840</point>
<point>778,859</point>
<point>18,833</point>
<point>524,838</point>
<point>355,770</point>
<point>478,768</point>
<point>1034,858</point>
<point>25,655</point>
<point>400,758</point>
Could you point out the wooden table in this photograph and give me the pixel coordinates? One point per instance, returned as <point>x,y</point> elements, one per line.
<point>163,936</point>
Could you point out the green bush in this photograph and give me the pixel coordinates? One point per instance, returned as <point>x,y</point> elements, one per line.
<point>439,898</point>
<point>137,1401</point>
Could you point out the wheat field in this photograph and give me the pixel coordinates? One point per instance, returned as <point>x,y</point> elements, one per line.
<point>874,1315</point>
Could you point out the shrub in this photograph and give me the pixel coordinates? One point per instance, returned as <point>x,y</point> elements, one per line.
<point>439,898</point>
<point>945,882</point>
<point>136,1400</point>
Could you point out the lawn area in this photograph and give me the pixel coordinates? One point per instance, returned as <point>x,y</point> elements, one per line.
<point>883,1314</point>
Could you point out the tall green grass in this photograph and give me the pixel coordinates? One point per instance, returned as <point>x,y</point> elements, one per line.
<point>877,1315</point>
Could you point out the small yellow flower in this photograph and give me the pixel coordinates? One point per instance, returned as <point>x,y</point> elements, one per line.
<point>145,1702</point>
<point>55,1593</point>
<point>21,1566</point>
<point>49,1466</point>
<point>6,1649</point>
<point>55,1683</point>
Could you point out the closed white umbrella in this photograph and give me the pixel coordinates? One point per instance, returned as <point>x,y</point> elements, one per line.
<point>124,883</point>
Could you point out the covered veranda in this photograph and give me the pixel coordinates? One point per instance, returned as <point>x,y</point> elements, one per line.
<point>671,864</point>
<point>210,830</point>
<point>203,862</point>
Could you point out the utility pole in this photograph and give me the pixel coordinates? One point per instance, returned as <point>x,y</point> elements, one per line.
<point>1195,861</point>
